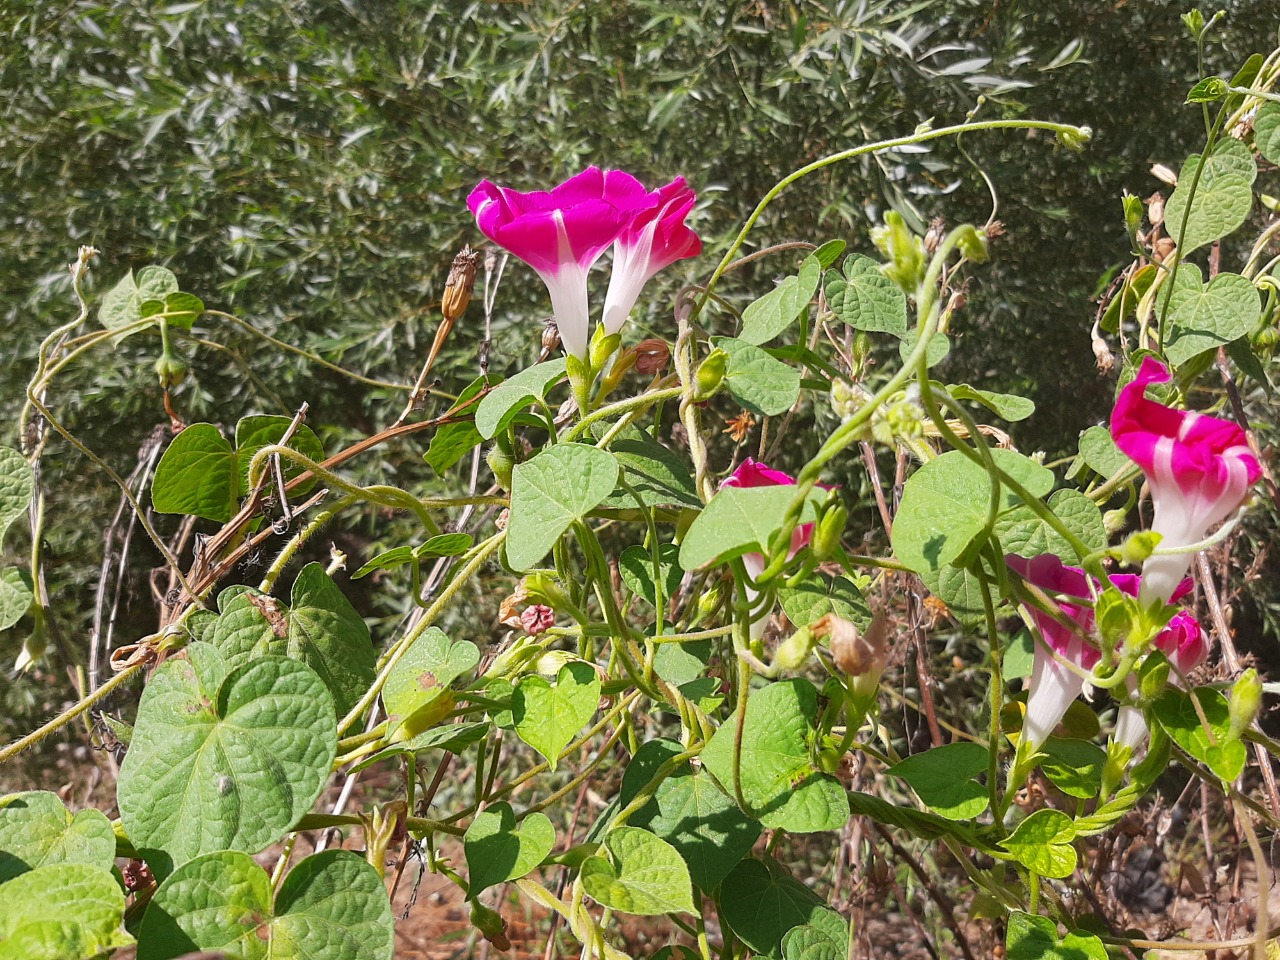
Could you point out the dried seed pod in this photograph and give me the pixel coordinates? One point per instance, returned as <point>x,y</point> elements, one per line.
<point>652,356</point>
<point>459,284</point>
<point>855,653</point>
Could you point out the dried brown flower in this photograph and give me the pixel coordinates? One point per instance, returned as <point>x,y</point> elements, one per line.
<point>459,284</point>
<point>739,426</point>
<point>652,356</point>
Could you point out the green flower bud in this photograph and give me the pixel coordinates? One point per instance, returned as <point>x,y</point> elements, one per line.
<point>170,370</point>
<point>829,529</point>
<point>490,924</point>
<point>794,652</point>
<point>543,588</point>
<point>1074,139</point>
<point>1194,21</point>
<point>904,249</point>
<point>603,346</point>
<point>972,244</point>
<point>513,661</point>
<point>1135,550</point>
<point>501,464</point>
<point>1133,211</point>
<point>710,375</point>
<point>1243,702</point>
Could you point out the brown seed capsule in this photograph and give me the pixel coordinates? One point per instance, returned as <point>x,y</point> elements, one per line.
<point>459,284</point>
<point>1162,249</point>
<point>652,356</point>
<point>1155,209</point>
<point>550,337</point>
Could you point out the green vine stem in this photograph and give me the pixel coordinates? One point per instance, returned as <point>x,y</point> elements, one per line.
<point>69,715</point>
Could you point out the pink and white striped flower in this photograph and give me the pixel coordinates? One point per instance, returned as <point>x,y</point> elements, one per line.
<point>655,238</point>
<point>561,234</point>
<point>1199,469</point>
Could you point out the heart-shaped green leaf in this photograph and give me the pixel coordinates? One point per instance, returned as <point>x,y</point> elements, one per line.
<point>818,595</point>
<point>761,383</point>
<point>548,493</point>
<point>319,626</point>
<point>36,829</point>
<point>503,402</point>
<point>453,441</point>
<point>1223,196</point>
<point>1042,844</point>
<point>224,761</point>
<point>1266,131</point>
<point>331,906</point>
<point>1214,747</point>
<point>646,876</point>
<point>636,566</point>
<point>546,716</point>
<point>63,911</point>
<point>424,673</point>
<point>15,596</point>
<point>761,902</point>
<point>740,520</point>
<point>943,779</point>
<point>1022,531</point>
<point>865,298</point>
<point>1074,766</point>
<point>824,937</point>
<point>1036,938</point>
<point>254,433</point>
<point>776,310</point>
<point>656,474</point>
<point>498,849</point>
<point>1207,316</point>
<point>779,780</point>
<point>122,304</point>
<point>16,486</point>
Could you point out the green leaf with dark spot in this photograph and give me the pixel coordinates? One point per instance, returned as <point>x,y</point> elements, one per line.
<point>761,383</point>
<point>37,829</point>
<point>547,716</point>
<point>331,906</point>
<point>644,875</point>
<point>943,779</point>
<point>777,310</point>
<point>561,484</point>
<point>1222,200</point>
<point>223,760</point>
<point>498,849</point>
<point>508,398</point>
<point>425,672</point>
<point>779,780</point>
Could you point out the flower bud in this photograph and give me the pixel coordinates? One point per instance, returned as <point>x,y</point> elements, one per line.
<point>603,346</point>
<point>501,463</point>
<point>512,660</point>
<point>652,356</point>
<point>829,529</point>
<point>1137,548</point>
<point>972,244</point>
<point>170,370</point>
<point>793,652</point>
<point>859,655</point>
<point>904,249</point>
<point>550,337</point>
<point>490,924</point>
<point>459,284</point>
<point>542,588</point>
<point>551,662</point>
<point>1243,702</point>
<point>710,375</point>
<point>1075,138</point>
<point>537,619</point>
<point>1132,215</point>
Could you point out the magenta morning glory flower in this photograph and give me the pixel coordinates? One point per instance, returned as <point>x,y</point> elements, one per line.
<point>655,238</point>
<point>1053,685</point>
<point>753,473</point>
<point>1199,469</point>
<point>561,234</point>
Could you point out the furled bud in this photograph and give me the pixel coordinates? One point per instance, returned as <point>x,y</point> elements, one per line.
<point>1243,702</point>
<point>1132,215</point>
<point>652,356</point>
<point>170,370</point>
<point>860,655</point>
<point>793,652</point>
<point>501,463</point>
<point>490,924</point>
<point>1074,138</point>
<point>829,528</point>
<point>542,588</point>
<point>603,346</point>
<point>710,375</point>
<point>459,284</point>
<point>537,619</point>
<point>972,244</point>
<point>905,252</point>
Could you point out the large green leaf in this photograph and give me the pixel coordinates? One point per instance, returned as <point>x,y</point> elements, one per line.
<point>866,299</point>
<point>1074,766</point>
<point>508,398</point>
<point>424,673</point>
<point>776,310</point>
<point>1207,316</point>
<point>63,911</point>
<point>547,716</point>
<point>548,493</point>
<point>1036,938</point>
<point>331,906</point>
<point>740,520</point>
<point>17,483</point>
<point>453,441</point>
<point>820,594</point>
<point>1215,747</point>
<point>36,829</point>
<point>645,875</point>
<point>1042,844</point>
<point>254,433</point>
<point>224,760</point>
<point>943,779</point>
<point>319,626</point>
<point>779,780</point>
<point>654,472</point>
<point>1223,197</point>
<point>761,383</point>
<point>945,503</point>
<point>498,849</point>
<point>636,567</point>
<point>1022,531</point>
<point>761,902</point>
